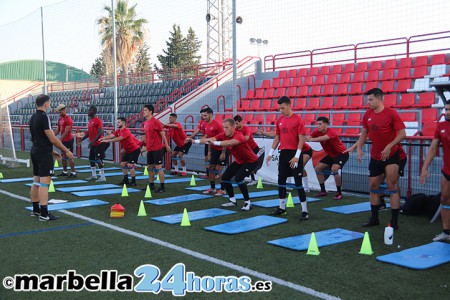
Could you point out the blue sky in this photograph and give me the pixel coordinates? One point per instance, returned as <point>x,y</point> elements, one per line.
<point>290,25</point>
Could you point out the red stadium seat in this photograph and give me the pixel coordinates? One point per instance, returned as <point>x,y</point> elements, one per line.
<point>328,90</point>
<point>245,105</point>
<point>426,99</point>
<point>292,73</point>
<point>356,102</point>
<point>337,126</point>
<point>250,94</point>
<point>314,103</point>
<point>327,103</point>
<point>292,92</point>
<point>405,62</point>
<point>403,73</point>
<point>309,118</point>
<point>337,118</point>
<point>316,90</point>
<point>280,92</point>
<point>408,116</point>
<point>407,100</point>
<point>259,94</point>
<point>259,118</point>
<point>248,118</point>
<point>276,83</point>
<point>271,118</point>
<point>308,80</point>
<point>320,79</point>
<point>297,81</point>
<point>403,85</point>
<point>255,105</point>
<point>372,75</point>
<point>282,74</point>
<point>362,66</point>
<point>324,70</point>
<point>371,85</point>
<point>390,100</point>
<point>303,91</point>
<point>355,130</point>
<point>332,79</point>
<point>358,76</point>
<point>337,69</point>
<point>421,61</point>
<point>376,65</point>
<point>286,82</point>
<point>420,72</point>
<point>356,117</point>
<point>265,84</point>
<point>390,64</point>
<point>342,89</point>
<point>387,86</point>
<point>345,78</point>
<point>266,104</point>
<point>356,88</point>
<point>300,103</point>
<point>303,72</point>
<point>429,114</point>
<point>314,71</point>
<point>341,102</point>
<point>438,59</point>
<point>429,128</point>
<point>269,93</point>
<point>349,68</point>
<point>387,74</point>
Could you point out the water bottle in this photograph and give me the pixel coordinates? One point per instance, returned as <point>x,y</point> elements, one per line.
<point>389,235</point>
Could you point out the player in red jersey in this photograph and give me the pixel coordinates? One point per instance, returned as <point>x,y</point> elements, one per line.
<point>336,155</point>
<point>386,130</point>
<point>154,140</point>
<point>97,149</point>
<point>130,145</point>
<point>64,128</point>
<point>245,161</point>
<point>290,136</point>
<point>441,135</point>
<point>179,137</point>
<point>201,129</point>
<point>217,156</point>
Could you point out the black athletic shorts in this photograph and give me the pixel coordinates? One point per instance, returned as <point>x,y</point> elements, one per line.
<point>132,157</point>
<point>401,167</point>
<point>69,145</point>
<point>260,160</point>
<point>98,152</point>
<point>284,168</point>
<point>155,157</point>
<point>206,150</point>
<point>215,157</point>
<point>338,160</point>
<point>377,167</point>
<point>42,163</point>
<point>184,149</point>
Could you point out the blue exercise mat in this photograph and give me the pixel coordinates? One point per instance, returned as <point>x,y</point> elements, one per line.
<point>19,179</point>
<point>202,187</point>
<point>63,182</point>
<point>256,194</point>
<point>420,258</point>
<point>276,202</point>
<point>178,199</point>
<point>70,205</point>
<point>194,215</point>
<point>245,225</point>
<point>351,208</point>
<point>176,180</point>
<point>87,187</point>
<point>103,192</point>
<point>323,238</point>
<point>146,176</point>
<point>76,168</point>
<point>106,169</point>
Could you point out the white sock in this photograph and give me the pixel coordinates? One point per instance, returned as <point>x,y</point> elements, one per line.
<point>283,204</point>
<point>232,199</point>
<point>248,202</point>
<point>304,206</point>
<point>184,168</point>
<point>305,183</point>
<point>94,171</point>
<point>102,172</point>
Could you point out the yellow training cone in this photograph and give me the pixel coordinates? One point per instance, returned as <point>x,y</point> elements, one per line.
<point>142,212</point>
<point>1,175</point>
<point>366,248</point>
<point>185,220</point>
<point>124,191</point>
<point>313,249</point>
<point>51,187</point>
<point>259,185</point>
<point>148,192</point>
<point>157,177</point>
<point>290,202</point>
<point>56,163</point>
<point>146,171</point>
<point>193,181</point>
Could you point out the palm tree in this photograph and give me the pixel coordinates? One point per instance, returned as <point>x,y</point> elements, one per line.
<point>129,34</point>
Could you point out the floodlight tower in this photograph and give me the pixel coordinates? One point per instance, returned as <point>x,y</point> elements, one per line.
<point>219,30</point>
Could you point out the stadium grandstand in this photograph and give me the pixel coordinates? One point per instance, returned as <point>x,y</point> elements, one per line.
<point>323,79</point>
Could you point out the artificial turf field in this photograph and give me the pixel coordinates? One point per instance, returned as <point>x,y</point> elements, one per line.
<point>83,240</point>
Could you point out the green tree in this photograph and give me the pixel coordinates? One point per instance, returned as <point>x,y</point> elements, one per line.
<point>143,65</point>
<point>129,34</point>
<point>98,68</point>
<point>192,45</point>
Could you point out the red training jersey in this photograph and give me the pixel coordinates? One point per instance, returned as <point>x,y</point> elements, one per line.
<point>94,126</point>
<point>242,152</point>
<point>333,147</point>
<point>212,129</point>
<point>288,129</point>
<point>402,155</point>
<point>129,142</point>
<point>382,129</point>
<point>442,133</point>
<point>63,123</point>
<point>201,126</point>
<point>177,134</point>
<point>246,131</point>
<point>153,138</point>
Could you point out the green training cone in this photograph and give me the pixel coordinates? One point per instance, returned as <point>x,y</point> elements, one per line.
<point>124,191</point>
<point>259,185</point>
<point>148,192</point>
<point>313,249</point>
<point>56,163</point>
<point>51,187</point>
<point>157,177</point>
<point>1,175</point>
<point>142,212</point>
<point>146,171</point>
<point>366,248</point>
<point>290,202</point>
<point>193,181</point>
<point>185,220</point>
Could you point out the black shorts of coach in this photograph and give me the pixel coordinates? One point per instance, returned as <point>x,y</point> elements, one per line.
<point>42,162</point>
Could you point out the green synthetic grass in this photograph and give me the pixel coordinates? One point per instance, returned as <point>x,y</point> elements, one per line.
<point>339,270</point>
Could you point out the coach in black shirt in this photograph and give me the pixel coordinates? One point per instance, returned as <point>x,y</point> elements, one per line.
<point>43,139</point>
